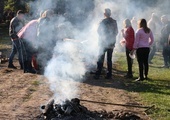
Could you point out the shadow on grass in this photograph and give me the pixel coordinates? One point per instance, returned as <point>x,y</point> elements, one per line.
<point>119,82</point>
<point>152,86</point>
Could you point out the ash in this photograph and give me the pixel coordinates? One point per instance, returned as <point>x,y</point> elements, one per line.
<point>72,110</point>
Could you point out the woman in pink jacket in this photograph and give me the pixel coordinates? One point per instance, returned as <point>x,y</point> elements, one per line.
<point>143,41</point>
<point>28,35</point>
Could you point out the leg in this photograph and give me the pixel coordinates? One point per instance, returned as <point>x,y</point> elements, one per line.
<point>109,62</point>
<point>100,64</point>
<point>140,62</point>
<point>152,53</point>
<point>165,56</point>
<point>129,62</point>
<point>18,46</point>
<point>13,52</point>
<point>146,65</point>
<point>28,61</point>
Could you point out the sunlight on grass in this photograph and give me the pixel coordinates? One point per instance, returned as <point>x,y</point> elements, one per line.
<point>155,91</point>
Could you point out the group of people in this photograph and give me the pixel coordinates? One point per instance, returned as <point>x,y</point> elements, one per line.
<point>142,42</point>
<point>24,41</point>
<point>28,40</point>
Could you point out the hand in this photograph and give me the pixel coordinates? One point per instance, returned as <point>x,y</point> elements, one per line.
<point>132,52</point>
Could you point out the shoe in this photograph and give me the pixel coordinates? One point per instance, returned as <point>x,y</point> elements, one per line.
<point>139,79</point>
<point>30,71</point>
<point>12,66</point>
<point>146,78</point>
<point>108,77</point>
<point>96,77</point>
<point>128,76</point>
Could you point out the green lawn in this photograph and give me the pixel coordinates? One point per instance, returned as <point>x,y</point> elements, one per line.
<point>155,91</point>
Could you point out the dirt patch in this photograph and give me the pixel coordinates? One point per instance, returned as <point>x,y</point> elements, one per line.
<point>22,94</point>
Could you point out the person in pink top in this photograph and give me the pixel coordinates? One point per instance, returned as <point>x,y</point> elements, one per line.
<point>144,39</point>
<point>28,35</point>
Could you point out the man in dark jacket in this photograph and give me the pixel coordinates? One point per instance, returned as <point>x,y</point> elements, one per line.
<point>107,38</point>
<point>15,26</point>
<point>164,41</point>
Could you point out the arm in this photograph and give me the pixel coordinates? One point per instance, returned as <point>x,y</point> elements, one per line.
<point>135,45</point>
<point>151,38</point>
<point>12,32</point>
<point>116,28</point>
<point>123,33</point>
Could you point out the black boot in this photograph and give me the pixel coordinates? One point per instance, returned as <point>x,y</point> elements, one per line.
<point>12,66</point>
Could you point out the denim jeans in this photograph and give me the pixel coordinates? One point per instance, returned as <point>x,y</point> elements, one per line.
<point>16,48</point>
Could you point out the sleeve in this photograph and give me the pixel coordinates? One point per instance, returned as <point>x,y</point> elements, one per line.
<point>135,45</point>
<point>151,38</point>
<point>116,28</point>
<point>21,32</point>
<point>12,32</point>
<point>100,28</point>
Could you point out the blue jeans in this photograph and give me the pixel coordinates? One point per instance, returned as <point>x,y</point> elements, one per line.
<point>15,48</point>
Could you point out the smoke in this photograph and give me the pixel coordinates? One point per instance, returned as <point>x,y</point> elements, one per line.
<point>64,69</point>
<point>73,57</point>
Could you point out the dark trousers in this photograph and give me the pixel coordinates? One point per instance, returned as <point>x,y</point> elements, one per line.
<point>109,62</point>
<point>129,61</point>
<point>27,52</point>
<point>166,55</point>
<point>16,47</point>
<point>142,57</point>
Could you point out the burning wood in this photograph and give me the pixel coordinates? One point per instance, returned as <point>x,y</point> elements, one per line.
<point>72,110</point>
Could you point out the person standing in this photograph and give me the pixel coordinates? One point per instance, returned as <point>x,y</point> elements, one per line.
<point>16,25</point>
<point>107,31</point>
<point>144,39</point>
<point>28,35</point>
<point>129,36</point>
<point>134,23</point>
<point>153,26</point>
<point>165,32</point>
<point>45,39</point>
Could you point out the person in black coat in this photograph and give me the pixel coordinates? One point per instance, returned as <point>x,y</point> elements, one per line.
<point>107,31</point>
<point>165,33</point>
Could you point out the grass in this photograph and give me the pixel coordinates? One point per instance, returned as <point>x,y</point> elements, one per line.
<point>155,91</point>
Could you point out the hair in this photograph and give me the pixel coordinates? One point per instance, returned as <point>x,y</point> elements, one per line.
<point>143,24</point>
<point>107,12</point>
<point>127,23</point>
<point>20,12</point>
